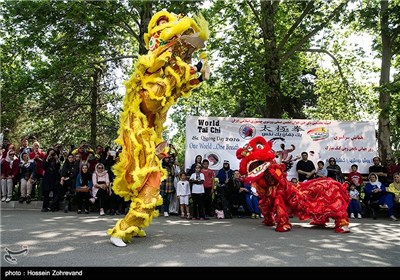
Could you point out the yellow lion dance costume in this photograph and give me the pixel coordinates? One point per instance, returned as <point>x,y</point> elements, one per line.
<point>161,76</point>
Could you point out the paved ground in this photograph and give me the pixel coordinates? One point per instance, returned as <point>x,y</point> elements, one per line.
<point>75,241</point>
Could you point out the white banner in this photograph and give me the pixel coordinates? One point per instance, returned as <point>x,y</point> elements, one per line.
<point>217,139</point>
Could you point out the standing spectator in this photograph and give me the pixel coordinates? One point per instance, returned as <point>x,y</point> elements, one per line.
<point>69,172</point>
<point>197,160</point>
<point>334,170</point>
<point>235,194</point>
<point>355,177</point>
<point>174,203</point>
<point>354,205</point>
<point>379,170</point>
<point>197,180</point>
<point>38,156</point>
<point>321,170</point>
<point>183,193</point>
<point>167,188</point>
<point>101,186</point>
<point>6,146</point>
<point>208,187</point>
<point>27,177</point>
<point>305,168</point>
<point>83,187</point>
<point>51,179</point>
<point>392,168</point>
<point>224,174</point>
<point>83,150</point>
<point>24,148</point>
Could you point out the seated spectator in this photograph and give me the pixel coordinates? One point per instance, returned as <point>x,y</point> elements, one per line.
<point>27,174</point>
<point>294,181</point>
<point>252,201</point>
<point>394,187</point>
<point>9,175</point>
<point>101,187</point>
<point>375,192</point>
<point>83,187</point>
<point>321,170</point>
<point>355,177</point>
<point>354,205</point>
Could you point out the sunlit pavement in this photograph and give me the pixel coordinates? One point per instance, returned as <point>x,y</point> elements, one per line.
<point>71,240</point>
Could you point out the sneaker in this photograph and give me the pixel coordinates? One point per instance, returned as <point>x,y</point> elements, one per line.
<point>92,200</point>
<point>253,216</point>
<point>117,241</point>
<point>352,216</point>
<point>384,206</point>
<point>44,210</point>
<point>166,214</point>
<point>86,211</point>
<point>359,216</point>
<point>3,199</point>
<point>8,199</point>
<point>79,212</point>
<point>101,212</point>
<point>28,199</point>
<point>21,199</point>
<point>393,218</point>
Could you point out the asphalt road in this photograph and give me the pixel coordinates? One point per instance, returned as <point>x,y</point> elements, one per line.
<point>77,241</point>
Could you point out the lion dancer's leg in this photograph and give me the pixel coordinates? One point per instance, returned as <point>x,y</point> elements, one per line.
<point>342,224</point>
<point>281,217</point>
<point>141,212</point>
<point>265,206</point>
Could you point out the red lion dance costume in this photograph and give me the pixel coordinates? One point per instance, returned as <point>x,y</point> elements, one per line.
<point>161,76</point>
<point>317,199</point>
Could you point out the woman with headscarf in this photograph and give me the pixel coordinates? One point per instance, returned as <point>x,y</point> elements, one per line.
<point>27,176</point>
<point>101,186</point>
<point>83,186</point>
<point>9,175</point>
<point>375,193</point>
<point>334,170</point>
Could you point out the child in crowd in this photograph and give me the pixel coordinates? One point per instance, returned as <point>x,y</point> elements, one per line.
<point>321,170</point>
<point>355,177</point>
<point>183,194</point>
<point>354,205</point>
<point>197,180</point>
<point>294,181</point>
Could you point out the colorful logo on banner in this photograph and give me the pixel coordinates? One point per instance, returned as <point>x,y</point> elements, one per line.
<point>318,134</point>
<point>247,131</point>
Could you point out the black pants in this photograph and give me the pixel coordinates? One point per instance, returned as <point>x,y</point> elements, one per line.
<point>198,205</point>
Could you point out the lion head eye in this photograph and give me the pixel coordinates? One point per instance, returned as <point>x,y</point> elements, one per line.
<point>259,146</point>
<point>249,148</point>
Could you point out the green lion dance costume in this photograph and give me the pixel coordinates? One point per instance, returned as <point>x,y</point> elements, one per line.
<point>161,76</point>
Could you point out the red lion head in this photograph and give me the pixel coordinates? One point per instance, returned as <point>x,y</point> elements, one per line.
<point>255,158</point>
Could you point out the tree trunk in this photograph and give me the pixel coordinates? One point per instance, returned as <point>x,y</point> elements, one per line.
<point>145,16</point>
<point>384,147</point>
<point>94,96</point>
<point>272,81</point>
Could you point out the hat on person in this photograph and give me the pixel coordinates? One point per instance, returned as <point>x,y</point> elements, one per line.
<point>226,161</point>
